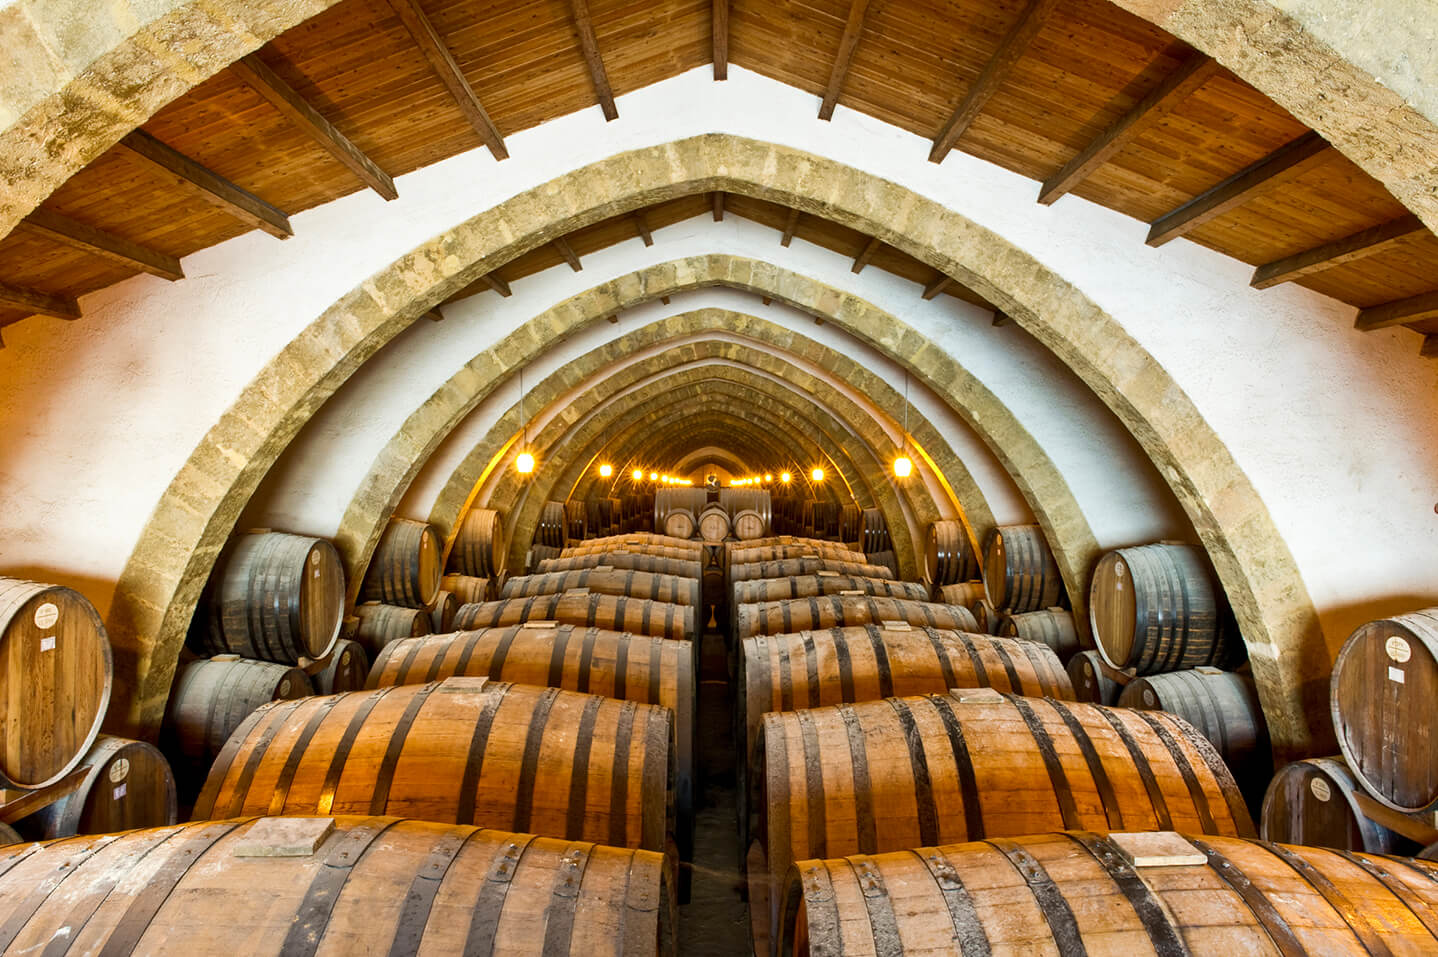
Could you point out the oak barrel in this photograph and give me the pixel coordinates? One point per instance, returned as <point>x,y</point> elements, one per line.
<point>277,597</point>
<point>381,624</point>
<point>606,581</point>
<point>406,566</point>
<point>1077,893</point>
<point>986,617</point>
<point>213,697</point>
<point>576,521</point>
<point>1385,683</point>
<point>552,529</point>
<point>837,611</point>
<point>1156,608</point>
<point>128,785</point>
<point>1091,682</point>
<point>538,555</point>
<point>679,523</point>
<point>1221,704</point>
<point>341,885</point>
<point>714,524</point>
<point>441,616</point>
<point>668,500</point>
<point>824,583</point>
<point>480,547</point>
<point>1019,569</point>
<point>459,751</point>
<point>1052,626</point>
<point>467,588</point>
<point>8,836</point>
<point>790,567</point>
<point>749,525</point>
<point>632,561</point>
<point>874,531</point>
<point>680,552</point>
<point>640,541</point>
<point>347,670</point>
<point>1314,802</point>
<point>745,553</point>
<point>55,680</point>
<point>639,615</point>
<point>961,593</point>
<point>948,556</point>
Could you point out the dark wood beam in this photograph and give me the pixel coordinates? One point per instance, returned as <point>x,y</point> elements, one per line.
<point>718,206</point>
<point>1429,349</point>
<point>996,71</point>
<point>1000,319</point>
<point>720,18</point>
<point>642,224</point>
<point>63,229</point>
<point>789,226</point>
<point>434,315</point>
<point>614,320</point>
<point>590,47</point>
<point>1195,70</point>
<point>567,252</point>
<point>442,62</point>
<point>498,285</point>
<point>1397,312</point>
<point>862,260</point>
<point>39,303</point>
<point>664,299</point>
<point>1369,242</point>
<point>208,185</point>
<point>933,289</point>
<point>1283,164</point>
<point>767,300</point>
<point>848,43</point>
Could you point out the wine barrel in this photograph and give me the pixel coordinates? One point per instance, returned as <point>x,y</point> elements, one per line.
<point>850,522</point>
<point>679,523</point>
<point>1052,626</point>
<point>128,785</point>
<point>885,559</point>
<point>467,588</point>
<point>458,751</point>
<point>8,836</point>
<point>1155,608</point>
<point>480,548</point>
<point>639,615</point>
<point>213,697</point>
<point>714,524</point>
<point>874,531</point>
<point>1384,684</point>
<point>629,561</point>
<point>948,556</point>
<point>1222,705</point>
<point>747,554</point>
<point>1091,683</point>
<point>667,500</point>
<point>441,616</point>
<point>961,593</point>
<point>837,611</point>
<point>824,583</point>
<point>1019,569</point>
<point>576,521</point>
<point>790,567</point>
<point>602,580</point>
<point>347,670</point>
<point>635,540</point>
<point>334,885</point>
<point>756,500</point>
<point>552,530</point>
<point>1078,893</point>
<point>1314,802</point>
<point>57,672</point>
<point>748,525</point>
<point>381,624</point>
<point>406,566</point>
<point>917,772</point>
<point>986,618</point>
<point>277,597</point>
<point>538,555</point>
<point>684,554</point>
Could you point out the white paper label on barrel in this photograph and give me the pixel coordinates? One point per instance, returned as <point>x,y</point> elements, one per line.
<point>1118,569</point>
<point>48,643</point>
<point>1398,649</point>
<point>46,615</point>
<point>314,558</point>
<point>119,770</point>
<point>120,791</point>
<point>284,687</point>
<point>1148,698</point>
<point>344,659</point>
<point>1320,789</point>
<point>1395,674</point>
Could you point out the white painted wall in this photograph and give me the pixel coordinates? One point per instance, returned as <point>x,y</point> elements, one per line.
<point>1335,429</point>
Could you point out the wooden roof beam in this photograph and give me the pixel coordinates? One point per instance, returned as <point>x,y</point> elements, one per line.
<point>862,260</point>
<point>1429,349</point>
<point>1283,164</point>
<point>718,206</point>
<point>590,47</point>
<point>442,62</point>
<point>1397,312</point>
<point>39,303</point>
<point>789,226</point>
<point>88,239</point>
<point>720,18</point>
<point>1195,70</point>
<point>996,71</point>
<point>308,120</point>
<point>642,225</point>
<point>493,281</point>
<point>1360,245</point>
<point>434,315</point>
<point>208,185</point>
<point>848,43</point>
<point>568,253</point>
<point>933,289</point>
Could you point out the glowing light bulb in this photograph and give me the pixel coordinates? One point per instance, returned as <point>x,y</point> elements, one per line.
<point>653,476</point>
<point>524,464</point>
<point>637,475</point>
<point>903,466</point>
<point>817,475</point>
<point>785,477</point>
<point>768,477</point>
<point>606,470</point>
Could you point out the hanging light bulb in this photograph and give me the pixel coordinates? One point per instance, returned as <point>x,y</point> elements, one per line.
<point>653,476</point>
<point>606,470</point>
<point>817,475</point>
<point>637,475</point>
<point>524,464</point>
<point>768,477</point>
<point>785,477</point>
<point>903,466</point>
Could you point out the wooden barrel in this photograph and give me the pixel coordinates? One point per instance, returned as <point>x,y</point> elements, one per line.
<point>1078,893</point>
<point>480,548</point>
<point>1314,802</point>
<point>986,617</point>
<point>1091,682</point>
<point>347,670</point>
<point>667,500</point>
<point>617,612</point>
<point>128,785</point>
<point>459,751</point>
<point>8,836</point>
<point>684,553</point>
<point>679,523</point>
<point>467,588</point>
<point>406,566</point>
<point>961,593</point>
<point>334,885</point>
<point>1052,626</point>
<point>441,616</point>
<point>747,554</point>
<point>603,580</point>
<point>748,525</point>
<point>789,567</point>
<point>1019,569</point>
<point>825,583</point>
<point>1221,704</point>
<point>576,521</point>
<point>756,500</point>
<point>631,561</point>
<point>642,541</point>
<point>837,611</point>
<point>552,529</point>
<point>850,522</point>
<point>918,772</point>
<point>277,597</point>
<point>948,556</point>
<point>538,555</point>
<point>213,697</point>
<point>874,531</point>
<point>1384,683</point>
<point>57,672</point>
<point>714,524</point>
<point>381,624</point>
<point>1155,608</point>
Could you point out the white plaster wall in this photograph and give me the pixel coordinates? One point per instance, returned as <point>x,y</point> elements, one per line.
<point>1336,429</point>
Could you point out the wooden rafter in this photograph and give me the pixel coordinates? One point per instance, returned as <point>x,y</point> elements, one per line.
<point>862,260</point>
<point>848,43</point>
<point>434,315</point>
<point>642,225</point>
<point>1424,306</point>
<point>720,19</point>
<point>442,62</point>
<point>1195,70</point>
<point>1000,319</point>
<point>207,184</point>
<point>664,299</point>
<point>493,281</point>
<point>1360,245</point>
<point>718,200</point>
<point>1283,164</point>
<point>933,289</point>
<point>589,45</point>
<point>39,303</point>
<point>1429,349</point>
<point>996,71</point>
<point>791,224</point>
<point>308,120</point>
<point>63,229</point>
<point>568,253</point>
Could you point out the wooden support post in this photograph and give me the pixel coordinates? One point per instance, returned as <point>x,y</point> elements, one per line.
<point>1000,319</point>
<point>720,17</point>
<point>862,260</point>
<point>434,315</point>
<point>498,285</point>
<point>932,290</point>
<point>589,45</point>
<point>718,206</point>
<point>1360,245</point>
<point>789,227</point>
<point>642,225</point>
<point>848,43</point>
<point>77,235</point>
<point>39,303</point>
<point>568,253</point>
<point>1396,313</point>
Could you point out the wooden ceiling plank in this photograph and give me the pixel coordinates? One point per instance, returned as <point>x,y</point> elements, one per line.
<point>848,43</point>
<point>590,47</point>
<point>789,227</point>
<point>933,289</point>
<point>1360,245</point>
<point>63,229</point>
<point>493,281</point>
<point>862,260</point>
<point>1011,49</point>
<point>308,120</point>
<point>39,303</point>
<point>718,200</point>
<point>207,184</point>
<point>642,225</point>
<point>568,253</point>
<point>442,62</point>
<point>720,18</point>
<point>1287,162</point>
<point>1423,306</point>
<point>1160,101</point>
